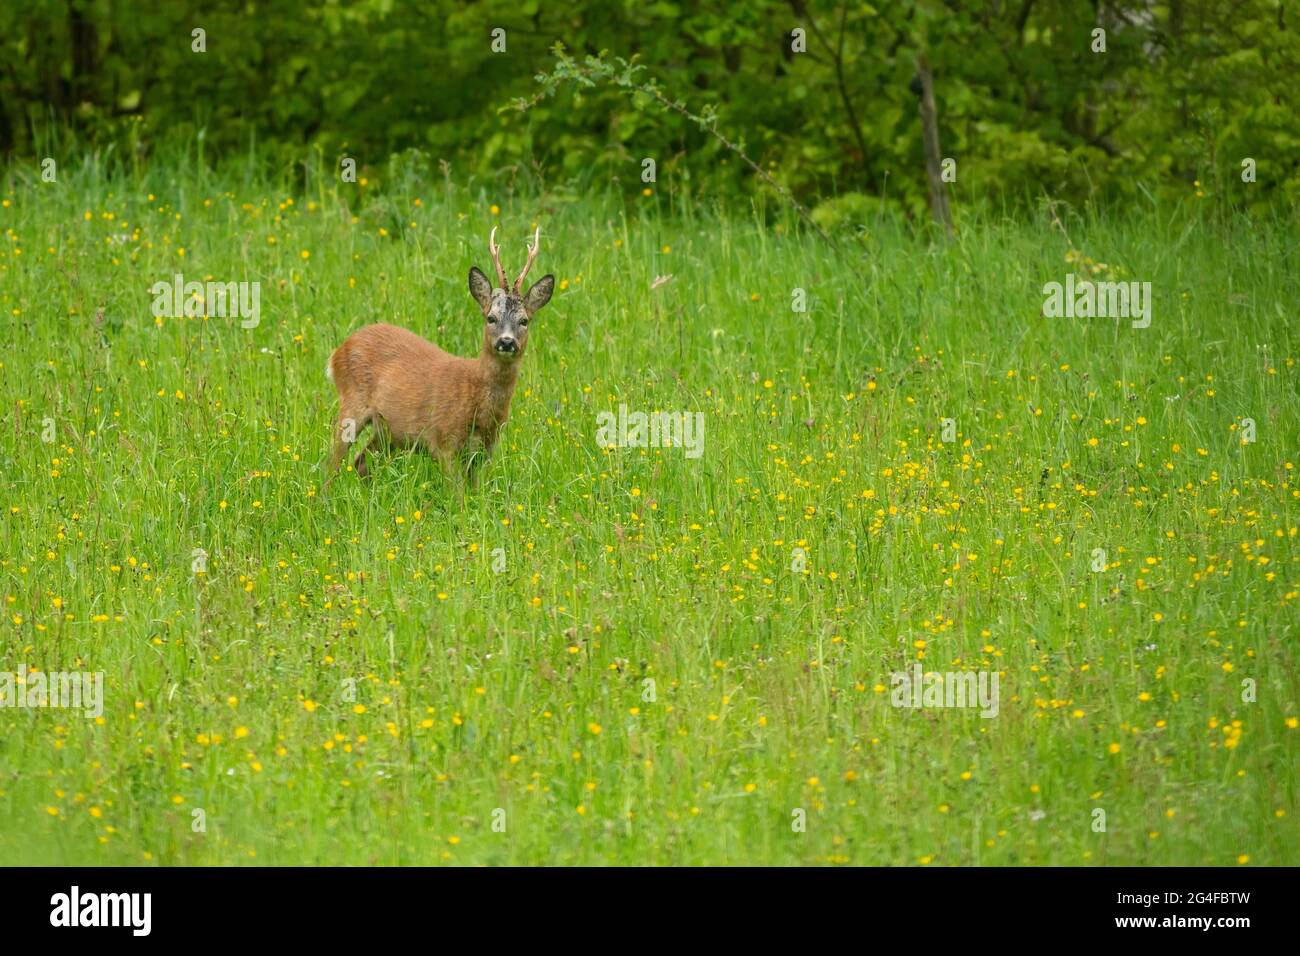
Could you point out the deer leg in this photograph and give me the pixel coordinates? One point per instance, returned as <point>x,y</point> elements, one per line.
<point>478,462</point>
<point>447,458</point>
<point>359,463</point>
<point>346,427</point>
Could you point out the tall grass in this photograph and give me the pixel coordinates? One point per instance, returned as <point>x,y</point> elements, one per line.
<point>682,658</point>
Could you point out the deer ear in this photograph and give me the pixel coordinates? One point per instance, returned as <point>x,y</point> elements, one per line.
<point>539,294</point>
<point>481,289</point>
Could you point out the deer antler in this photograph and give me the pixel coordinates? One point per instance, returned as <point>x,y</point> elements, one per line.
<point>496,257</point>
<point>532,254</point>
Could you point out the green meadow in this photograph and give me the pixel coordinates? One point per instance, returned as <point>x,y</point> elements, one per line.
<point>625,655</point>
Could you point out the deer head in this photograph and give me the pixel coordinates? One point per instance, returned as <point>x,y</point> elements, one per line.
<point>507,312</point>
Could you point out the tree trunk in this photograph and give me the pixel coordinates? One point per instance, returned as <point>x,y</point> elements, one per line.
<point>930,134</point>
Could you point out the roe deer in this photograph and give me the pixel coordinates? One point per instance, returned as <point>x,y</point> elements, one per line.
<point>414,393</point>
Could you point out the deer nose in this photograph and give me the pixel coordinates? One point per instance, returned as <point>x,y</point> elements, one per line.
<point>507,344</point>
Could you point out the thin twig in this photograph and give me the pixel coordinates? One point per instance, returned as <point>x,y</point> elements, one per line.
<point>597,69</point>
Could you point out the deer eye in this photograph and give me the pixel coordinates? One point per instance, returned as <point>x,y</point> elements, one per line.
<point>524,323</point>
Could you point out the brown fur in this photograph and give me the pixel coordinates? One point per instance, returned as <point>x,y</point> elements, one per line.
<point>416,394</point>
<point>413,393</point>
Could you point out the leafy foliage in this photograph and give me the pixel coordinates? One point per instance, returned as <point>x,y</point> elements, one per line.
<point>1184,92</point>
